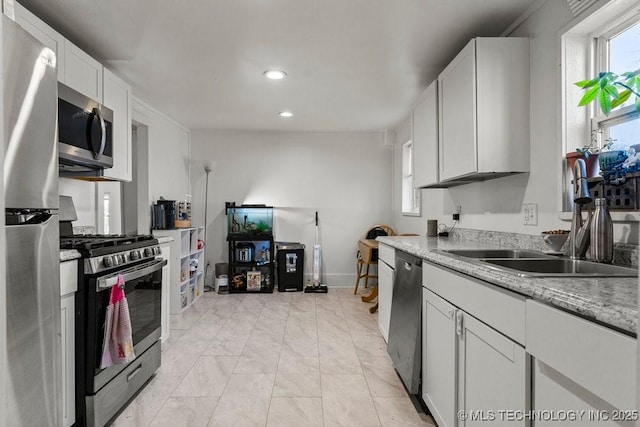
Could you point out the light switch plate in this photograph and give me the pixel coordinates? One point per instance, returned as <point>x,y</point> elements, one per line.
<point>530,213</point>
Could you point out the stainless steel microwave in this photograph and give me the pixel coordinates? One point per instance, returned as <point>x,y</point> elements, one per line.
<point>85,142</point>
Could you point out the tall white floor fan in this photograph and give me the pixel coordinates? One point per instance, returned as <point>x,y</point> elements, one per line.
<point>316,287</point>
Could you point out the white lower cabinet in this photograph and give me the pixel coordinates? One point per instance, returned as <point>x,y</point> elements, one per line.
<point>493,375</point>
<point>439,348</point>
<point>580,370</point>
<point>386,279</point>
<point>165,248</point>
<point>471,373</point>
<point>68,287</point>
<point>385,294</point>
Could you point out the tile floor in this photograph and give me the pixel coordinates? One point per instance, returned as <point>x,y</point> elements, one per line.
<point>281,359</point>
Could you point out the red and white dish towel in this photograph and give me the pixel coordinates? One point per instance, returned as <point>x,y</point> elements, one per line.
<point>118,344</point>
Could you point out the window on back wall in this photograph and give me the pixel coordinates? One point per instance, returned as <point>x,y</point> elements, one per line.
<point>607,39</point>
<point>618,51</point>
<point>410,195</point>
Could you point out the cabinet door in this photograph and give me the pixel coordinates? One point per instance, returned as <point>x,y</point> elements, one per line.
<point>44,33</point>
<point>117,96</point>
<point>457,116</point>
<point>166,292</point>
<point>565,342</point>
<point>385,294</point>
<point>424,122</point>
<point>82,72</point>
<point>439,358</point>
<point>493,373</point>
<point>67,315</point>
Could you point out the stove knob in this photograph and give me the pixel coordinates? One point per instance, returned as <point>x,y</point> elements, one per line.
<point>123,258</point>
<point>157,250</point>
<point>147,252</point>
<point>134,255</point>
<point>116,260</point>
<point>106,261</point>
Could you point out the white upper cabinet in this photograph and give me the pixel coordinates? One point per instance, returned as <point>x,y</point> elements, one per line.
<point>484,110</point>
<point>44,33</point>
<point>82,72</point>
<point>424,129</point>
<point>117,96</point>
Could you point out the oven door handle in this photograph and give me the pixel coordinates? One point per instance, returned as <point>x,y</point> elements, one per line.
<point>131,274</point>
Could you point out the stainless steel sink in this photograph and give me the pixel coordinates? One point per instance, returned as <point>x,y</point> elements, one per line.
<point>498,253</point>
<point>561,267</point>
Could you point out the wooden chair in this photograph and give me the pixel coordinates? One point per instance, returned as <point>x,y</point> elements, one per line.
<point>368,255</point>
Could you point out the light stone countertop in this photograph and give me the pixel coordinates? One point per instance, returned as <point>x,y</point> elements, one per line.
<point>69,255</point>
<point>610,301</point>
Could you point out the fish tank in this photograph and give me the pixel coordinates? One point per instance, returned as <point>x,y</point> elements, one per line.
<point>249,220</point>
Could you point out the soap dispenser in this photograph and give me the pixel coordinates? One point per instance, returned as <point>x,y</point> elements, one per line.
<point>602,233</point>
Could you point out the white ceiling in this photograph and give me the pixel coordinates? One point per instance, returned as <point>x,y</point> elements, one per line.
<point>353,65</point>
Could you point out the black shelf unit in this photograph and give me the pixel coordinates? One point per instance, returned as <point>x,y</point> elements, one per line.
<point>249,270</point>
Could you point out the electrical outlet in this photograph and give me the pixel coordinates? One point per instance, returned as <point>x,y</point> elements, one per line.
<point>456,215</point>
<point>530,213</point>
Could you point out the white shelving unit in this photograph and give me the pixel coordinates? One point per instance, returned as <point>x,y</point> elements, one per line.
<point>186,257</point>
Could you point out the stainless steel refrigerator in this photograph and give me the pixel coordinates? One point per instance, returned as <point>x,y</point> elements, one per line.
<point>34,372</point>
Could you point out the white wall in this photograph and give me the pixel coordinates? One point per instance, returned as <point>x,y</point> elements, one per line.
<point>84,199</point>
<point>168,158</point>
<point>346,177</point>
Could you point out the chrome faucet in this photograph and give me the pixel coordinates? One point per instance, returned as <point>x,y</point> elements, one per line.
<point>580,232</point>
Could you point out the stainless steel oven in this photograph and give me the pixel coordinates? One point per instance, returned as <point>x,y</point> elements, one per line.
<point>102,393</point>
<point>143,289</point>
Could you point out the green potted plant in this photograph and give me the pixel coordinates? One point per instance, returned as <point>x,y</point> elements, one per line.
<point>589,153</point>
<point>609,90</point>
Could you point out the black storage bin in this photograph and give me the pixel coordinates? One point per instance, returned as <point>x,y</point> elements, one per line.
<point>289,266</point>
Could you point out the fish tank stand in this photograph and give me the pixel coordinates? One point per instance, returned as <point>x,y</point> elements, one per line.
<point>251,247</point>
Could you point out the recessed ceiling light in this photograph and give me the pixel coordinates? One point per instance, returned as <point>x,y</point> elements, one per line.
<point>285,114</point>
<point>275,74</point>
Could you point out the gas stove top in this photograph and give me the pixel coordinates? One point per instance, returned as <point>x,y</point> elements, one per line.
<point>107,252</point>
<point>90,242</point>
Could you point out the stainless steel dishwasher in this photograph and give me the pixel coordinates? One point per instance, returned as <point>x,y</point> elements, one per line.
<point>404,345</point>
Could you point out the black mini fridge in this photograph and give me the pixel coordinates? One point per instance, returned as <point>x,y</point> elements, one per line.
<point>289,266</point>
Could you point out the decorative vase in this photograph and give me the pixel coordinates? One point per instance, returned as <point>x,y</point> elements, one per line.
<point>593,167</point>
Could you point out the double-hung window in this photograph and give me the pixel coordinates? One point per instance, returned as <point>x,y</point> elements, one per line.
<point>606,40</point>
<point>618,50</point>
<point>410,195</point>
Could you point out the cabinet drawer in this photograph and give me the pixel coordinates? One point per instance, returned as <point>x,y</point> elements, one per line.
<point>499,308</point>
<point>123,387</point>
<point>68,277</point>
<point>599,359</point>
<point>387,254</point>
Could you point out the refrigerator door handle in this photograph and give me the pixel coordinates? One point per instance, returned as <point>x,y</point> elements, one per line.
<point>17,218</point>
